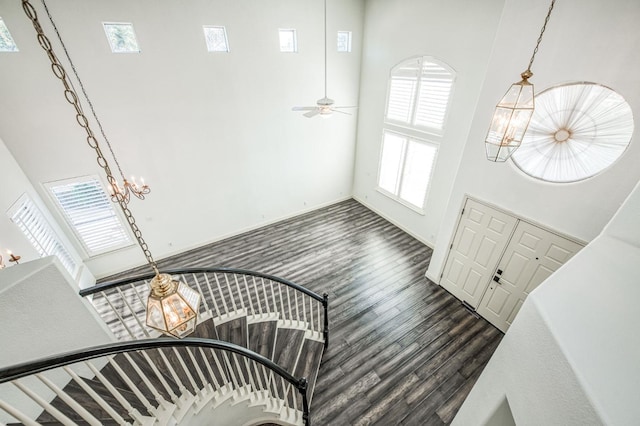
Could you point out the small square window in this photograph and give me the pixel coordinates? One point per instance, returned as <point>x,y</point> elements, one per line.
<point>6,41</point>
<point>122,38</point>
<point>288,41</point>
<point>216,38</point>
<point>344,41</point>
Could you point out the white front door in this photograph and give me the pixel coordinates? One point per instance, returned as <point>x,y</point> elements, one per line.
<point>531,256</point>
<point>480,240</point>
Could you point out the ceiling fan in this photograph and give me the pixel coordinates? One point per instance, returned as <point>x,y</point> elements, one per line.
<point>324,106</point>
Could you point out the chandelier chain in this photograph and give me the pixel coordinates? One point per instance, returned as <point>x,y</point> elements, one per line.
<point>544,27</point>
<point>84,92</point>
<point>71,97</point>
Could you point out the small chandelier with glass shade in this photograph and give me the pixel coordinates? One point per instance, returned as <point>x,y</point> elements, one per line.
<point>513,113</point>
<point>172,307</point>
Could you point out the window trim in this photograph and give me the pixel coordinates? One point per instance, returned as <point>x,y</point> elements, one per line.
<point>3,23</point>
<point>408,126</point>
<point>408,138</point>
<point>65,219</point>
<point>295,40</point>
<point>226,38</point>
<point>349,41</point>
<point>106,33</point>
<point>52,233</point>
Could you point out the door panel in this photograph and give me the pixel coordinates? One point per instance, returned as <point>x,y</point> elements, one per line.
<point>481,237</point>
<point>531,256</point>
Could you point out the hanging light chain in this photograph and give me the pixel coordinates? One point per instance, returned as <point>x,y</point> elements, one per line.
<point>71,97</point>
<point>128,187</point>
<point>544,27</point>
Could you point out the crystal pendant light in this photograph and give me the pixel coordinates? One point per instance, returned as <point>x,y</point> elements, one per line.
<point>172,306</point>
<point>513,113</point>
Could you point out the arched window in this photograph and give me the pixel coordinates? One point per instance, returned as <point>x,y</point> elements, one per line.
<point>418,98</point>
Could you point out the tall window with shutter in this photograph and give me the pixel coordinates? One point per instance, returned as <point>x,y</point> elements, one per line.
<point>89,212</point>
<point>28,217</point>
<point>418,98</point>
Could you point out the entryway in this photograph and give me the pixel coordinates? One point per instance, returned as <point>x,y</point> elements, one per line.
<point>497,258</point>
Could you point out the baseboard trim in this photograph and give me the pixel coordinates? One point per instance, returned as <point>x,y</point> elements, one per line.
<point>387,218</point>
<point>232,234</point>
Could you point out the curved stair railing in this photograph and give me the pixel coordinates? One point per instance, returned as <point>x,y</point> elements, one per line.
<point>226,294</point>
<point>136,382</point>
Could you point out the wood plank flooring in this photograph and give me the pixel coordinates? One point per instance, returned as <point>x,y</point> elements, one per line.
<point>402,350</point>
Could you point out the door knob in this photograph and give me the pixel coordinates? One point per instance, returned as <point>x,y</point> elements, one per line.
<point>496,279</point>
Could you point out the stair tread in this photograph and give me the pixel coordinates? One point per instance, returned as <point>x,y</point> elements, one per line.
<point>74,390</point>
<point>288,345</point>
<point>262,337</point>
<point>309,362</point>
<point>234,331</point>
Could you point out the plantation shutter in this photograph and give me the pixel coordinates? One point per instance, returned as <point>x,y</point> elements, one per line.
<point>90,213</point>
<point>402,91</point>
<point>433,97</point>
<point>38,231</point>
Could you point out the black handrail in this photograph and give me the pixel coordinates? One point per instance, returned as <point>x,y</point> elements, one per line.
<point>112,284</point>
<point>324,299</point>
<point>38,366</point>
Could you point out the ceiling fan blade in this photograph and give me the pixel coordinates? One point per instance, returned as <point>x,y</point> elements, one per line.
<point>341,112</point>
<point>344,107</point>
<point>300,108</point>
<point>312,113</point>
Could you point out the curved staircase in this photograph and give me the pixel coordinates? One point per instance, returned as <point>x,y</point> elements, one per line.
<point>252,360</point>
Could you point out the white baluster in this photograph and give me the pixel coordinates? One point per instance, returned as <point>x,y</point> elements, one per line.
<point>131,385</point>
<point>209,369</point>
<point>67,399</point>
<point>122,321</point>
<point>304,307</point>
<point>43,403</point>
<point>196,364</point>
<point>135,414</point>
<point>17,414</point>
<point>160,376</point>
<point>235,278</point>
<point>142,330</point>
<point>186,370</point>
<point>96,397</point>
<point>311,299</point>
<point>289,303</point>
<point>282,311</point>
<point>144,378</point>
<point>230,293</point>
<point>224,301</point>
<point>205,303</point>
<point>256,290</point>
<point>249,298</point>
<point>213,296</point>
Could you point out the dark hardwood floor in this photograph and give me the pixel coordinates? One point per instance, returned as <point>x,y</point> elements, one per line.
<point>402,350</point>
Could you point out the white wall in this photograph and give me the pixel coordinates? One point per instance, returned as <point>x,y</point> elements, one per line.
<point>213,134</point>
<point>14,184</point>
<point>459,33</point>
<point>571,355</point>
<point>42,315</point>
<point>584,41</point>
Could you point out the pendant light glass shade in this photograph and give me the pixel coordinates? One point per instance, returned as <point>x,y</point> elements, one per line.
<point>510,120</point>
<point>172,307</point>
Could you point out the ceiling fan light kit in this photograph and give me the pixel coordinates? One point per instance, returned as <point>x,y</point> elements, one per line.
<point>324,106</point>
